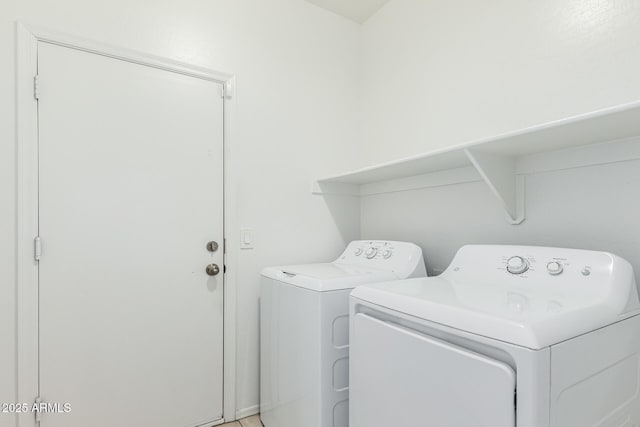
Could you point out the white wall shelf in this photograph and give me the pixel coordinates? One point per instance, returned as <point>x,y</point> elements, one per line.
<point>502,161</point>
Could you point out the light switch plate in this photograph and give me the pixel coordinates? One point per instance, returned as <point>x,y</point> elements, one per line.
<point>247,238</point>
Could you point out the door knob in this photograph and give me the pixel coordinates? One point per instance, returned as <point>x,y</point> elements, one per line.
<point>213,269</point>
<point>212,246</point>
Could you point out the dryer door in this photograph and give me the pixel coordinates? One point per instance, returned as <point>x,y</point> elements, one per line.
<point>401,377</point>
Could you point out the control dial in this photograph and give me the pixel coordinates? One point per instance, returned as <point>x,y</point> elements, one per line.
<point>387,254</point>
<point>371,252</point>
<point>517,265</point>
<point>554,268</point>
<point>358,252</point>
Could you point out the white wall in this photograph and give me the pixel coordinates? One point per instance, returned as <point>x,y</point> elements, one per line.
<point>297,68</point>
<point>7,213</point>
<point>587,208</point>
<point>437,73</point>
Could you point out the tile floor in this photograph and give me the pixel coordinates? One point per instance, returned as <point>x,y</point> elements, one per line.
<point>253,421</point>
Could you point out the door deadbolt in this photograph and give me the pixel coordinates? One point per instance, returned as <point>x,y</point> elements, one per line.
<point>212,246</point>
<point>213,269</point>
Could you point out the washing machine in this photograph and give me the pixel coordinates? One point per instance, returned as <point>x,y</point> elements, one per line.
<point>304,331</point>
<point>507,336</point>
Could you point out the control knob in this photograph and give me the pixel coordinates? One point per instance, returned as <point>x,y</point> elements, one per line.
<point>554,268</point>
<point>371,252</point>
<point>358,252</point>
<point>517,265</point>
<point>387,254</point>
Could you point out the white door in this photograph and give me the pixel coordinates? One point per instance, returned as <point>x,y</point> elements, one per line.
<point>400,377</point>
<point>130,163</point>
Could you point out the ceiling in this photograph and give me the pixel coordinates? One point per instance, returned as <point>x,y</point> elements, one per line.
<point>356,10</point>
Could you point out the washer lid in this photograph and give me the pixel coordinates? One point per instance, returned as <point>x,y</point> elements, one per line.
<point>509,315</point>
<point>328,276</point>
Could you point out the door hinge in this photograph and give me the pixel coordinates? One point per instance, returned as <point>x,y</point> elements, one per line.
<point>36,87</point>
<point>227,90</point>
<point>37,412</point>
<point>37,248</point>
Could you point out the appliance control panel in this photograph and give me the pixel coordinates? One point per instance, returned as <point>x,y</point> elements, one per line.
<point>383,254</point>
<point>553,264</point>
<point>558,270</point>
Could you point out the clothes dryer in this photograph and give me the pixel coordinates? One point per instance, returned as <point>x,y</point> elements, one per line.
<point>506,336</point>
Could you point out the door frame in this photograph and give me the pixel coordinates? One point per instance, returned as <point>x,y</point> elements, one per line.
<point>27,352</point>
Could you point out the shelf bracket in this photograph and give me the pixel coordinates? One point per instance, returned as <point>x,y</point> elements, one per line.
<point>499,172</point>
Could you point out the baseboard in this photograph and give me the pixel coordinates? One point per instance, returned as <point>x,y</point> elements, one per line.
<point>247,412</point>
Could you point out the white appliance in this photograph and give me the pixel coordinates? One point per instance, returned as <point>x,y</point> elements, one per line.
<point>304,330</point>
<point>506,336</point>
